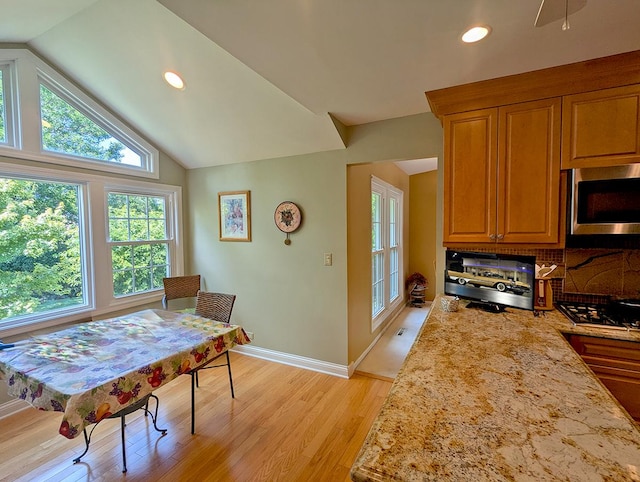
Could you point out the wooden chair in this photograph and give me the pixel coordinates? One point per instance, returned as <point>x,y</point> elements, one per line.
<point>176,287</point>
<point>217,307</point>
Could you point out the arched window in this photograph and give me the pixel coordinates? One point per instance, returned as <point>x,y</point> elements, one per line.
<point>69,127</point>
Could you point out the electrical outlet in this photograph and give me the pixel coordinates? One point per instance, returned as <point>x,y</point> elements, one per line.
<point>328,259</point>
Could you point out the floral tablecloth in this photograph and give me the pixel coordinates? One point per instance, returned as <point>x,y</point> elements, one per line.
<point>93,370</point>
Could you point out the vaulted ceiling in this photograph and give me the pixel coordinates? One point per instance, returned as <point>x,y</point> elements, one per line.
<point>275,78</point>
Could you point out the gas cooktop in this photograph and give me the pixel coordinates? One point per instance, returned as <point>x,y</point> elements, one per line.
<point>610,315</point>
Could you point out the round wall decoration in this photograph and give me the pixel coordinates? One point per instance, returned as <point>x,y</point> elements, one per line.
<point>287,218</point>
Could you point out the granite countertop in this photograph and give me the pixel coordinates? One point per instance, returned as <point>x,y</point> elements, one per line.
<point>499,397</point>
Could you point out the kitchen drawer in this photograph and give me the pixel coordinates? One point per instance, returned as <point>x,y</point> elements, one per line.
<point>606,351</point>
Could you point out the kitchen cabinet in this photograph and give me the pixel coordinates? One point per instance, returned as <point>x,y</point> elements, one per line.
<point>617,364</point>
<point>502,174</point>
<point>601,128</point>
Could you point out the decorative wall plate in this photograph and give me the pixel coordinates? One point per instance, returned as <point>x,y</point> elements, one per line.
<point>287,218</point>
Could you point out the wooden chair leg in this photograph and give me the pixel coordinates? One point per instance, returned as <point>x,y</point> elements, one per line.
<point>194,376</point>
<point>230,377</point>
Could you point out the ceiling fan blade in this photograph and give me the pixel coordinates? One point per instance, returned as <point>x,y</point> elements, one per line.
<point>552,10</point>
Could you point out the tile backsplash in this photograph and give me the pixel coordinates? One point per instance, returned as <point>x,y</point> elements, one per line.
<point>591,275</point>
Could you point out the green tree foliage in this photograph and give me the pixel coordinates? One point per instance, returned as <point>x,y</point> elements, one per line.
<point>137,266</point>
<point>68,131</point>
<point>40,258</point>
<point>40,265</point>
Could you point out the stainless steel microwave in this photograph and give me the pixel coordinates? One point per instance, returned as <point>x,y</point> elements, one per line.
<point>605,200</point>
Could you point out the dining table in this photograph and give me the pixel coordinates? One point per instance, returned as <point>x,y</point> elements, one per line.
<point>102,369</point>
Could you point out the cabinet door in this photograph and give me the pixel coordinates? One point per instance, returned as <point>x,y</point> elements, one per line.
<point>529,172</point>
<point>617,365</point>
<point>470,141</point>
<point>601,128</point>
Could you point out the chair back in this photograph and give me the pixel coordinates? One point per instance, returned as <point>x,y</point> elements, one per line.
<point>215,306</point>
<point>180,287</point>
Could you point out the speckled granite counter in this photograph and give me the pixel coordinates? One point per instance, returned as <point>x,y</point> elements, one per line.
<point>498,397</point>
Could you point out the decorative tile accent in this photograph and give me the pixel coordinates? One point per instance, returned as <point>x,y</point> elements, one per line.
<point>625,282</point>
<point>594,271</point>
<point>631,274</point>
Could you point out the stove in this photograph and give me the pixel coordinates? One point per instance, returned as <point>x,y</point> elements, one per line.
<point>610,315</point>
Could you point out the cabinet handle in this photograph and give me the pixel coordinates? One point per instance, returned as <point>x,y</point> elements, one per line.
<point>492,237</point>
<point>500,236</point>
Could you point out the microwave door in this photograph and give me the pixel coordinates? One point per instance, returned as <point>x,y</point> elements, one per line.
<point>606,201</point>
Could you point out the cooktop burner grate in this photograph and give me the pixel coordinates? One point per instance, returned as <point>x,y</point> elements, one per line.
<point>597,314</point>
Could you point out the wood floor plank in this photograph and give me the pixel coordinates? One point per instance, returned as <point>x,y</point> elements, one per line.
<point>285,424</point>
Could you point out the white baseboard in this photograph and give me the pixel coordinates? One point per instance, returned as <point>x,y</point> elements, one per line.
<point>294,360</point>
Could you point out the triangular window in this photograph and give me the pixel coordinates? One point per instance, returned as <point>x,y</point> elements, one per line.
<point>66,130</point>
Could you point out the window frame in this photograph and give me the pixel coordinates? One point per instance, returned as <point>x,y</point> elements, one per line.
<point>169,228</point>
<point>27,71</point>
<point>44,319</point>
<point>388,193</point>
<point>8,95</point>
<point>377,255</point>
<point>111,127</point>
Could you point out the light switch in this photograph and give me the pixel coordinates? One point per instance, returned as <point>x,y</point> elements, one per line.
<point>328,259</point>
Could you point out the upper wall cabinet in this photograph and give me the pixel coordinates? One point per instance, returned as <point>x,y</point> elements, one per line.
<point>601,128</point>
<point>503,139</point>
<point>470,179</point>
<point>502,174</point>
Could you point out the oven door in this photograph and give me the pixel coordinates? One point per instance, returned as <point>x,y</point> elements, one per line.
<point>606,200</point>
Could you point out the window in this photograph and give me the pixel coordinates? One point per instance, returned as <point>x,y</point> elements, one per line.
<point>65,130</point>
<point>41,248</point>
<point>394,249</point>
<point>6,105</point>
<point>57,263</point>
<point>386,250</point>
<point>377,253</point>
<point>139,242</point>
<point>3,122</point>
<point>49,271</point>
<point>53,121</point>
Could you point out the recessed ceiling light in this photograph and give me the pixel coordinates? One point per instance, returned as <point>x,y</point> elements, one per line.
<point>174,80</point>
<point>475,34</point>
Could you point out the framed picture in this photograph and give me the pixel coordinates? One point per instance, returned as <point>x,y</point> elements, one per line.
<point>234,214</point>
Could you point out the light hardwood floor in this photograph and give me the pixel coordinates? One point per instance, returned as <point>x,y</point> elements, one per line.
<point>285,424</point>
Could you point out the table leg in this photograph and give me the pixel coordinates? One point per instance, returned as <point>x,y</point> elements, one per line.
<point>124,450</point>
<point>87,440</point>
<point>143,404</point>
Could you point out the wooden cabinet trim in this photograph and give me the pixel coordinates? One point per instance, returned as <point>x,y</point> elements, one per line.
<point>595,74</point>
